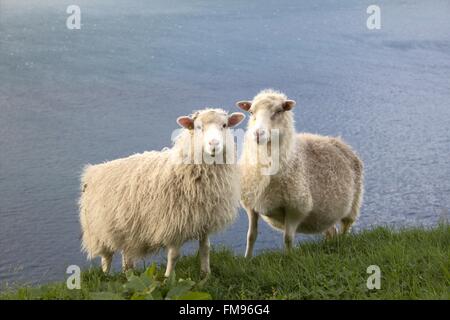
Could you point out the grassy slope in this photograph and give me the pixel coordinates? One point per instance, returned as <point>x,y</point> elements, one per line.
<point>415,264</point>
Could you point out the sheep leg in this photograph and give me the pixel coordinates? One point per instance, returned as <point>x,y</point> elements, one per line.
<point>331,232</point>
<point>204,255</point>
<point>127,262</point>
<point>346,225</point>
<point>252,232</point>
<point>173,253</point>
<point>291,222</point>
<point>106,262</point>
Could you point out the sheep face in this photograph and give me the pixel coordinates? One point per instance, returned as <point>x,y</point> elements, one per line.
<point>269,112</point>
<point>210,128</point>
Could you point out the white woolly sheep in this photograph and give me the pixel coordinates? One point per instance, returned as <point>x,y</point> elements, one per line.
<point>319,181</point>
<point>156,200</point>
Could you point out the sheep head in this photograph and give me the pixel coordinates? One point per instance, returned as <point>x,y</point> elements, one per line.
<point>210,128</point>
<point>269,110</point>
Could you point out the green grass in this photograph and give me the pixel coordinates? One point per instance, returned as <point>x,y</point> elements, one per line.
<point>414,264</point>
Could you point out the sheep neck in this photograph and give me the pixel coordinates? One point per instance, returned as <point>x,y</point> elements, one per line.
<point>286,150</point>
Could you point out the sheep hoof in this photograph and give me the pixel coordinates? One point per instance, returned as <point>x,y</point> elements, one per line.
<point>331,233</point>
<point>248,254</point>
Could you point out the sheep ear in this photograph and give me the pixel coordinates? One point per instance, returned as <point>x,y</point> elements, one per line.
<point>244,105</point>
<point>288,105</point>
<point>186,122</point>
<point>235,118</point>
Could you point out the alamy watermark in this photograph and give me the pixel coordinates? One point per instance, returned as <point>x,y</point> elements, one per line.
<point>195,149</point>
<point>374,280</point>
<point>73,21</point>
<point>374,20</point>
<point>74,279</point>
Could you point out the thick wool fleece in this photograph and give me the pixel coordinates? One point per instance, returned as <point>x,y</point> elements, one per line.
<point>320,178</point>
<point>148,201</point>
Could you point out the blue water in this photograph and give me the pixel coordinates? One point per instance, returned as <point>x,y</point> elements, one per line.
<point>115,87</point>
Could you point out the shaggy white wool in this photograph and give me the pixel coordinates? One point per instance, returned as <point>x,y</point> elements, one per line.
<point>152,200</point>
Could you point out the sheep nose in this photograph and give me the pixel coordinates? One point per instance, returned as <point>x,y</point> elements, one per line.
<point>214,143</point>
<point>259,133</point>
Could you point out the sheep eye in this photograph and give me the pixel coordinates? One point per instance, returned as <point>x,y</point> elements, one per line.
<point>198,127</point>
<point>224,125</point>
